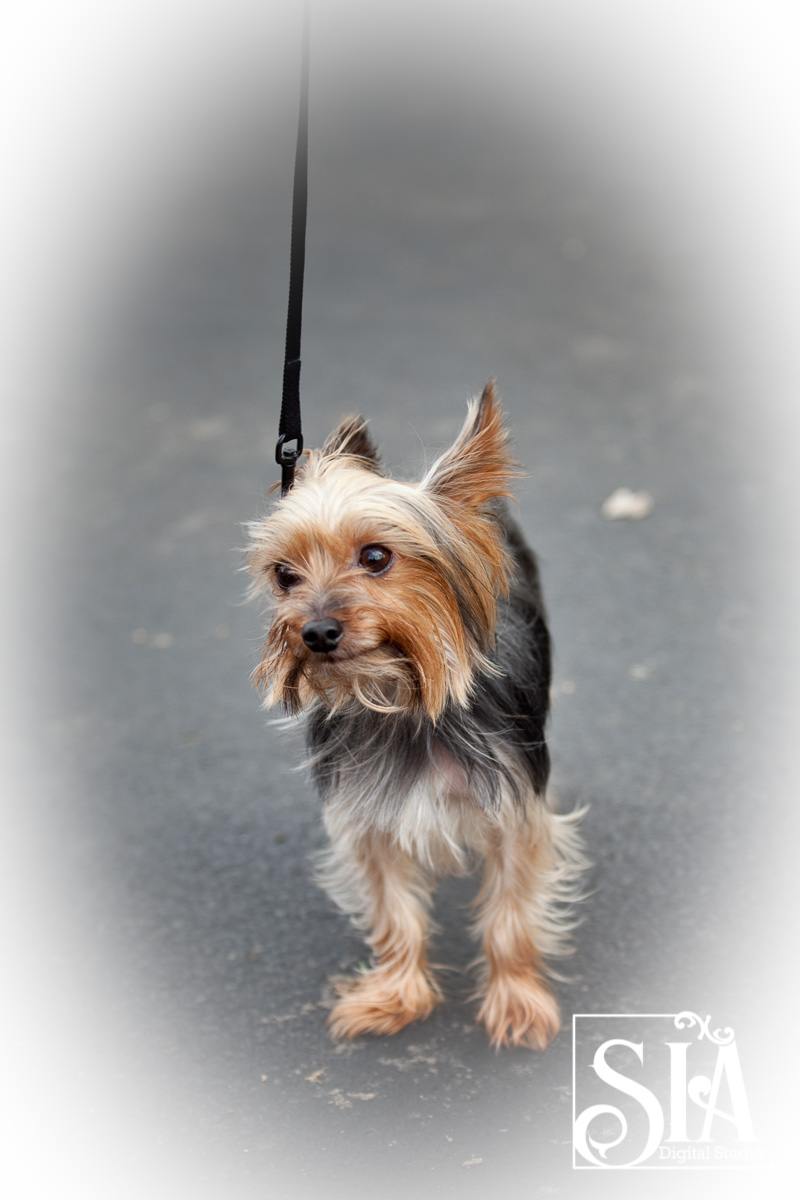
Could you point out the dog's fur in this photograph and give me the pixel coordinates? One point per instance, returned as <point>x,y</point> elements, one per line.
<point>425,719</point>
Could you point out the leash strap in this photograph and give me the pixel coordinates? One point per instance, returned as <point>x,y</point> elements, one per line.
<point>290,436</point>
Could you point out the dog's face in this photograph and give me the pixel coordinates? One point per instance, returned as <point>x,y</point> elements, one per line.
<point>383,592</point>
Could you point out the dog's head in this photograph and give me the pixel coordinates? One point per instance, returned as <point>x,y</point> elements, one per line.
<point>384,592</point>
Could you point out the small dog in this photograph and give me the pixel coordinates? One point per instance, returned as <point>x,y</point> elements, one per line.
<point>409,627</point>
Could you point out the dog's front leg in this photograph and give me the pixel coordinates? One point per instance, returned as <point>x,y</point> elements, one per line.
<point>386,892</point>
<point>515,922</point>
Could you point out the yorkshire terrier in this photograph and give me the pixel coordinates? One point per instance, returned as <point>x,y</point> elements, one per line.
<point>408,625</point>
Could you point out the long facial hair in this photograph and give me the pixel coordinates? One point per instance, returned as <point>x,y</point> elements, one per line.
<point>415,636</point>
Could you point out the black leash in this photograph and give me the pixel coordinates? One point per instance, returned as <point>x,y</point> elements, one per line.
<point>290,436</point>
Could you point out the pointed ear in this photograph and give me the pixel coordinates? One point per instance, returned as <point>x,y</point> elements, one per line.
<point>477,467</point>
<point>351,436</point>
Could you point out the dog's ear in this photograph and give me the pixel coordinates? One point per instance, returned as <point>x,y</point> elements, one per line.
<point>351,436</point>
<point>477,467</point>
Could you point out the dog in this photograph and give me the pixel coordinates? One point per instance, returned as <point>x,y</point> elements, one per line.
<point>408,627</point>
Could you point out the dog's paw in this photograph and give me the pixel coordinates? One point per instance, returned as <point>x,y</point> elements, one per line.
<point>381,1002</point>
<point>519,1010</point>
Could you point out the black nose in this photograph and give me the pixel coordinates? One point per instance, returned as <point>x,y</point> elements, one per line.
<point>322,636</point>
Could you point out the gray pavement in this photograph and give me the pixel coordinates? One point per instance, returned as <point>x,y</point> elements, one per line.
<point>185,948</point>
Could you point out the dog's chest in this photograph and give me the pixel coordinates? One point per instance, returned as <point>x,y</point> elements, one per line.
<point>439,821</point>
<point>401,780</point>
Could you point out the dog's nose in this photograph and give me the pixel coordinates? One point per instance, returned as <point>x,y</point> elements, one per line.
<point>322,636</point>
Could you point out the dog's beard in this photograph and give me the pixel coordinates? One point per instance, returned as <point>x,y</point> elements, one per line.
<point>383,679</point>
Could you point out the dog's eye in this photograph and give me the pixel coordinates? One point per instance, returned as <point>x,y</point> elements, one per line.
<point>285,577</point>
<point>375,559</point>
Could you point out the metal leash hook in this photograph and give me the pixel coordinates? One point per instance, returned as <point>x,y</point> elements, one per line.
<point>286,457</point>
<point>289,423</point>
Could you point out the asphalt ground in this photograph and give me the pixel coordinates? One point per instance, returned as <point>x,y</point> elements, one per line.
<point>180,948</point>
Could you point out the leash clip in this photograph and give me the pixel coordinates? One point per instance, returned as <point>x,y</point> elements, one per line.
<point>286,456</point>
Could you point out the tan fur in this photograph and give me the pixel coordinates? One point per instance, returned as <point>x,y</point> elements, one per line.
<point>517,924</point>
<point>413,639</point>
<point>407,647</point>
<point>395,894</point>
<point>383,880</point>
